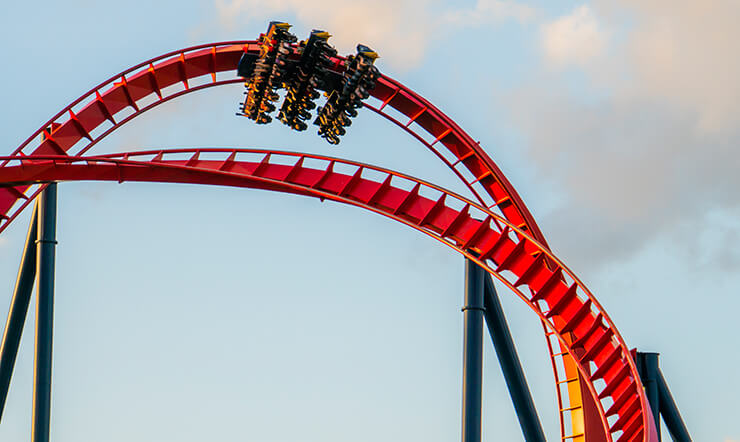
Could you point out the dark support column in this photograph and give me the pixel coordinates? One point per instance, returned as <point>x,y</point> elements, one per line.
<point>44,314</point>
<point>669,410</point>
<point>510,365</point>
<point>472,353</point>
<point>18,311</point>
<point>648,367</point>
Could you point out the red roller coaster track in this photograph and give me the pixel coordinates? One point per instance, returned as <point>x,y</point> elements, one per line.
<point>606,403</point>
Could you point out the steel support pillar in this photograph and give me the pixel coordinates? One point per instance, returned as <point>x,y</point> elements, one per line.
<point>669,410</point>
<point>647,364</point>
<point>660,397</point>
<point>18,311</point>
<point>472,353</point>
<point>45,250</point>
<point>510,365</point>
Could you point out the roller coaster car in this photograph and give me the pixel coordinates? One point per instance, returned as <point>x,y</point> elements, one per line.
<point>333,81</point>
<point>305,75</point>
<point>303,70</point>
<point>345,93</point>
<point>276,30</point>
<point>245,69</point>
<point>368,54</point>
<point>265,73</point>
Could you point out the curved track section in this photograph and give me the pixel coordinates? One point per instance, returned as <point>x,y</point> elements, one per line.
<point>89,119</point>
<point>502,248</point>
<point>116,101</point>
<point>109,105</point>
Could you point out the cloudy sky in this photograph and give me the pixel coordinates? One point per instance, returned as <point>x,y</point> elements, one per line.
<point>190,314</point>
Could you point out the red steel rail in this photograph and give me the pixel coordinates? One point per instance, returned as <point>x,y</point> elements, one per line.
<point>89,119</point>
<point>85,122</point>
<point>507,252</point>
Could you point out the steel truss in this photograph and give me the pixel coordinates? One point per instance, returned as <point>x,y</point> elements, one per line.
<point>89,119</point>
<point>496,226</point>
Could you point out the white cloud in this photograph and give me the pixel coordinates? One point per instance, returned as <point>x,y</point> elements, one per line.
<point>401,31</point>
<point>574,39</point>
<point>682,52</point>
<point>647,142</point>
<point>686,53</point>
<point>381,23</point>
<point>490,11</point>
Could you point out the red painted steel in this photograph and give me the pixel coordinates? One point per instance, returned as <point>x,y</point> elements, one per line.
<point>89,119</point>
<point>502,248</point>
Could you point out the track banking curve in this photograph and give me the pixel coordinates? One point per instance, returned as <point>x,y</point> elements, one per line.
<point>620,409</point>
<point>89,119</point>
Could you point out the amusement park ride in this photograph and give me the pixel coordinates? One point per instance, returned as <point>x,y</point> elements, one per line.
<point>605,390</point>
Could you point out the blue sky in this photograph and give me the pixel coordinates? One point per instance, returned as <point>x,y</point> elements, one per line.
<point>190,313</point>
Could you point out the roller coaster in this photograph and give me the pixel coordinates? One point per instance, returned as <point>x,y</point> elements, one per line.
<point>605,390</point>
